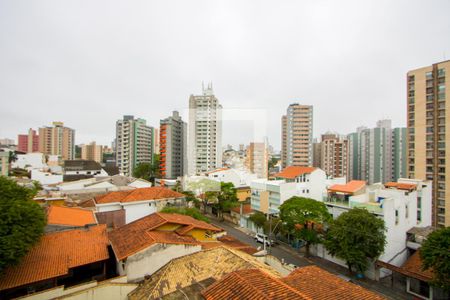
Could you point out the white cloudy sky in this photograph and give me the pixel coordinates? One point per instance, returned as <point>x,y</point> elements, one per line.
<point>89,62</point>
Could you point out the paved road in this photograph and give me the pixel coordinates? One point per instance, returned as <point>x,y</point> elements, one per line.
<point>276,250</point>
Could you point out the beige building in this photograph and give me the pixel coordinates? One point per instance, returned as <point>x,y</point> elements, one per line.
<point>334,155</point>
<point>428,108</point>
<point>257,159</point>
<point>57,140</point>
<point>297,127</point>
<point>92,151</point>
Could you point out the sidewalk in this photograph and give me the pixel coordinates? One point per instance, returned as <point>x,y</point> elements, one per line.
<point>378,287</point>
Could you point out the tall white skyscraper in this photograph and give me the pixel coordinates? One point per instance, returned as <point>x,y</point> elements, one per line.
<point>133,144</point>
<point>205,132</point>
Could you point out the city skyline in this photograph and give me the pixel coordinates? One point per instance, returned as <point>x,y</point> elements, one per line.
<point>110,65</point>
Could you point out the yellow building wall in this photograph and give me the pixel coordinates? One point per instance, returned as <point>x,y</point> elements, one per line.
<point>169,227</point>
<point>200,235</point>
<point>264,202</point>
<point>243,194</point>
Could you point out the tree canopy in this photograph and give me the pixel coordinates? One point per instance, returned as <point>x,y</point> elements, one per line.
<point>192,212</point>
<point>435,255</point>
<point>356,236</point>
<point>258,218</point>
<point>226,198</point>
<point>22,221</point>
<point>304,218</point>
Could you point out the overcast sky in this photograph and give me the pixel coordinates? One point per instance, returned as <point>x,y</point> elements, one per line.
<point>87,63</point>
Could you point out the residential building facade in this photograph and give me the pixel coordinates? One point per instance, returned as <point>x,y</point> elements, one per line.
<point>205,133</point>
<point>257,159</point>
<point>28,142</point>
<point>173,147</point>
<point>133,144</point>
<point>92,151</point>
<point>57,140</point>
<point>297,136</point>
<point>334,155</point>
<point>428,106</point>
<point>377,154</point>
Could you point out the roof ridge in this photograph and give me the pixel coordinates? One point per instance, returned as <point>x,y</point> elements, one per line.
<point>244,279</point>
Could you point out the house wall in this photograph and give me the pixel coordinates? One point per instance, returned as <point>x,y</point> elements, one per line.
<point>151,259</point>
<point>134,211</point>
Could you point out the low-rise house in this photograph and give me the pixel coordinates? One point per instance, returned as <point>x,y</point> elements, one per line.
<point>402,205</point>
<point>60,258</point>
<point>63,218</point>
<point>102,185</point>
<point>204,267</point>
<point>243,193</point>
<point>81,169</point>
<point>268,195</point>
<point>45,176</point>
<point>239,178</point>
<point>30,161</point>
<point>139,203</point>
<point>306,283</point>
<point>145,245</point>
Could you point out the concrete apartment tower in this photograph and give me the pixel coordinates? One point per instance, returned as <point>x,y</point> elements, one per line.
<point>334,155</point>
<point>28,142</point>
<point>428,106</point>
<point>173,147</point>
<point>257,159</point>
<point>92,151</point>
<point>205,132</point>
<point>133,144</point>
<point>377,154</point>
<point>297,132</point>
<point>57,140</point>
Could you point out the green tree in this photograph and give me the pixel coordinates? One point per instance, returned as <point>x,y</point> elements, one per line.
<point>192,212</point>
<point>435,255</point>
<point>258,218</point>
<point>304,218</point>
<point>226,198</point>
<point>356,236</point>
<point>22,221</point>
<point>148,171</point>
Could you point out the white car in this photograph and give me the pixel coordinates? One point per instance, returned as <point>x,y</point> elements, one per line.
<point>260,238</point>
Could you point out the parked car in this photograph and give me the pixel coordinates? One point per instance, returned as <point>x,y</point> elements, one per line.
<point>260,238</point>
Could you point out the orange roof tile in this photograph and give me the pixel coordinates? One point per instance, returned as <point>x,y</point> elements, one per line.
<point>349,188</point>
<point>250,284</point>
<point>246,209</point>
<point>401,186</point>
<point>69,216</point>
<point>218,170</point>
<point>319,284</point>
<point>55,254</point>
<point>142,194</point>
<point>140,234</point>
<point>292,172</point>
<point>414,266</point>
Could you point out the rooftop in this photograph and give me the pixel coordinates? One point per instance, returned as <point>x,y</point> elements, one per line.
<point>401,186</point>
<point>182,272</point>
<point>69,216</point>
<point>292,172</point>
<point>142,233</point>
<point>141,194</point>
<point>81,165</point>
<point>55,254</point>
<point>413,266</point>
<point>349,188</point>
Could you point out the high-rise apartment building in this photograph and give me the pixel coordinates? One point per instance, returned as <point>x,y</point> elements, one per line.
<point>334,155</point>
<point>317,153</point>
<point>173,147</point>
<point>28,142</point>
<point>92,151</point>
<point>257,159</point>
<point>57,140</point>
<point>297,132</point>
<point>377,154</point>
<point>428,105</point>
<point>133,144</point>
<point>156,143</point>
<point>205,132</point>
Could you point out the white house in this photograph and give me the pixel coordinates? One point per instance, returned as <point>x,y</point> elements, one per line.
<point>402,205</point>
<point>30,161</point>
<point>239,178</point>
<point>45,178</point>
<point>268,195</point>
<point>139,203</point>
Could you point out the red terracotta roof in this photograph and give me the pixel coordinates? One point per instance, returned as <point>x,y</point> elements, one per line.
<point>319,284</point>
<point>55,254</point>
<point>292,172</point>
<point>349,188</point>
<point>250,284</point>
<point>414,266</point>
<point>401,186</point>
<point>69,216</point>
<point>143,233</point>
<point>142,194</point>
<point>218,170</point>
